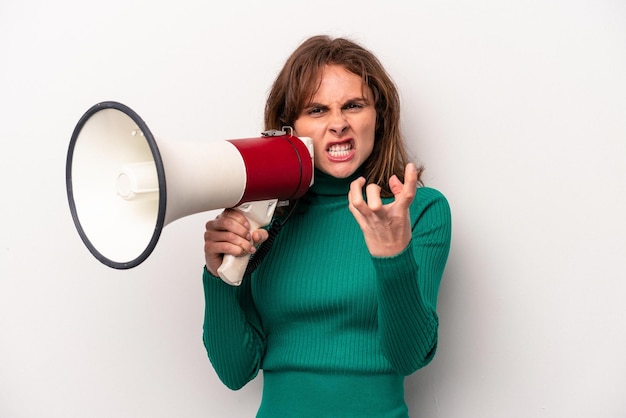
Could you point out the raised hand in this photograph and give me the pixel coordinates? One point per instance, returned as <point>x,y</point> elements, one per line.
<point>386,228</point>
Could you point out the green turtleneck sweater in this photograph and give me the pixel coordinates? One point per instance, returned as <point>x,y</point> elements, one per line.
<point>334,329</point>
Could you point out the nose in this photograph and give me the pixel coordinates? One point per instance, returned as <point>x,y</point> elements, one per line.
<point>338,123</point>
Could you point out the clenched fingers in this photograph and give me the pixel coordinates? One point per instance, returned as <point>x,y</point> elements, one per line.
<point>229,234</point>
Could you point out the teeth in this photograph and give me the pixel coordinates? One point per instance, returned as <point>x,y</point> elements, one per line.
<point>339,149</point>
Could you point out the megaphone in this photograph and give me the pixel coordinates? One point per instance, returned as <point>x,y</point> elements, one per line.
<point>123,188</point>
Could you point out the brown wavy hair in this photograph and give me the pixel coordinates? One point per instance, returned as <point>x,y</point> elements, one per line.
<point>300,78</point>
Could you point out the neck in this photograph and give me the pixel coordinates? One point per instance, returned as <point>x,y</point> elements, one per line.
<point>327,185</point>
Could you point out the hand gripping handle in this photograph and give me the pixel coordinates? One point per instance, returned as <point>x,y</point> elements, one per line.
<point>259,214</point>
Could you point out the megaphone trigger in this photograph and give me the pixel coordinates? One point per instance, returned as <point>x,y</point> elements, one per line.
<point>259,214</point>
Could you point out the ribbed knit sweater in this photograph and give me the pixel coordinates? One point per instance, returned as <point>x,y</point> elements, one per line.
<point>334,329</point>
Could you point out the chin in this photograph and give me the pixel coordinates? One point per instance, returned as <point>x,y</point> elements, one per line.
<point>340,173</point>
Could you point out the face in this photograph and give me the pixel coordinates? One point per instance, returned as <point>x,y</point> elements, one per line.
<point>340,119</point>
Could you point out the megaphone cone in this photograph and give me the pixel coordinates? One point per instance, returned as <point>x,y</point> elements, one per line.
<point>123,188</point>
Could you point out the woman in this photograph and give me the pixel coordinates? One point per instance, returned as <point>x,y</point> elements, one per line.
<point>344,305</point>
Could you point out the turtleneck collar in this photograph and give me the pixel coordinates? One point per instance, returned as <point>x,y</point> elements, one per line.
<point>327,185</point>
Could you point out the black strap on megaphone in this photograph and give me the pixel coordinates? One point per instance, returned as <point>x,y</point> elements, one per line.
<point>264,248</point>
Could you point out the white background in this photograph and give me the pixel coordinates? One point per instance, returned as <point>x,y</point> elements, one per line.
<point>516,108</point>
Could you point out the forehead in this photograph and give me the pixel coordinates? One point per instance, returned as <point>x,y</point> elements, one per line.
<point>337,83</point>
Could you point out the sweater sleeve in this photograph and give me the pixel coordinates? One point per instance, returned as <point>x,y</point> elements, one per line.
<point>232,332</point>
<point>408,285</point>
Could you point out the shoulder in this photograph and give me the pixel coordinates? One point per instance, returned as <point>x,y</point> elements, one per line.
<point>429,192</point>
<point>425,196</point>
<point>432,202</point>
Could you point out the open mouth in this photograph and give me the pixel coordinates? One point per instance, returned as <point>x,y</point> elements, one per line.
<point>340,150</point>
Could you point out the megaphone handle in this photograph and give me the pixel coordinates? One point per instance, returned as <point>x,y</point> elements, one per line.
<point>259,214</point>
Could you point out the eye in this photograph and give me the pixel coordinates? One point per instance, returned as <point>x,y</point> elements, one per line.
<point>353,106</point>
<point>315,110</point>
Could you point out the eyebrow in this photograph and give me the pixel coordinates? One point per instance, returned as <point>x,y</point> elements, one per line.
<point>360,99</point>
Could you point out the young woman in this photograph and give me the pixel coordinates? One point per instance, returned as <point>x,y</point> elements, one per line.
<point>344,305</point>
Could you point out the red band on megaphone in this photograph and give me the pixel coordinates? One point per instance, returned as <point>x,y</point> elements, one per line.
<point>277,167</point>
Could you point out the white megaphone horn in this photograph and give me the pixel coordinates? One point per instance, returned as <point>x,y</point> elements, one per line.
<point>123,188</point>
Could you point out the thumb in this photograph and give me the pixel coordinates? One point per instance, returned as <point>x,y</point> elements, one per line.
<point>259,236</point>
